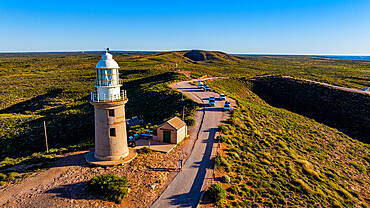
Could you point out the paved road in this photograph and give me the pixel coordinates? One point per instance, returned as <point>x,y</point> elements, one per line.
<point>185,190</point>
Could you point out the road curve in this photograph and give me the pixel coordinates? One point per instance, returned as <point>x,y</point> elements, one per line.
<point>186,188</point>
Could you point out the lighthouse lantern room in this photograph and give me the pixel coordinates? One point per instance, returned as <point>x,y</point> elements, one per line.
<point>109,112</point>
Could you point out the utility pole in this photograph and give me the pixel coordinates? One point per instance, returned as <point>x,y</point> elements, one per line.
<point>183,113</point>
<point>46,138</point>
<point>182,94</point>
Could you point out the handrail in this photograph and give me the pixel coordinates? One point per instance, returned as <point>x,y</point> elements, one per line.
<point>100,82</point>
<point>112,98</point>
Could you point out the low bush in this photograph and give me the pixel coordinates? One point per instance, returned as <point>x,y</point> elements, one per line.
<point>144,150</point>
<point>112,187</point>
<point>2,177</point>
<point>221,162</point>
<point>189,121</point>
<point>225,179</point>
<point>217,192</point>
<point>359,167</point>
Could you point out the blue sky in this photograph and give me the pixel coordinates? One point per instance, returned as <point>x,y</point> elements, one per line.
<point>267,27</point>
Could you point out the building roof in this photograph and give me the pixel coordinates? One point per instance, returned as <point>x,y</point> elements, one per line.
<point>176,123</point>
<point>107,62</point>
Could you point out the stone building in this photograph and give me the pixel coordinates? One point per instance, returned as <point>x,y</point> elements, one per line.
<point>172,131</point>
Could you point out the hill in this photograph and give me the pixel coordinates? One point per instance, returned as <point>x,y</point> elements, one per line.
<point>346,111</point>
<point>278,158</point>
<point>197,55</point>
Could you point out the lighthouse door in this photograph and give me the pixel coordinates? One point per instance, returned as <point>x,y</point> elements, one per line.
<point>167,136</point>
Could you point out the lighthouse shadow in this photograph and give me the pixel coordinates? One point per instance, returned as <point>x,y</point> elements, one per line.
<point>74,191</point>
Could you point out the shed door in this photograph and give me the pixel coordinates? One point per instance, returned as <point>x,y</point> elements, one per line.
<point>167,136</point>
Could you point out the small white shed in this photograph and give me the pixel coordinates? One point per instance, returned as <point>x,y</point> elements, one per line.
<point>172,131</point>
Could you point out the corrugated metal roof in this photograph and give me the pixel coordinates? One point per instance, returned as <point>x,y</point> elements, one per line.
<point>176,123</point>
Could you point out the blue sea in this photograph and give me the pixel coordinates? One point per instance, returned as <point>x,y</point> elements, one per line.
<point>330,57</point>
<point>353,58</point>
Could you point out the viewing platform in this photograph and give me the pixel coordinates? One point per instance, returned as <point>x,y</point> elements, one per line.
<point>107,82</point>
<point>95,97</point>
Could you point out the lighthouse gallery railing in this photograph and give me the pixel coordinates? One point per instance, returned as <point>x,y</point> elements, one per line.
<point>113,98</point>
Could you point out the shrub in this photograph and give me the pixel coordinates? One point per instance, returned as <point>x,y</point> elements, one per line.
<point>234,189</point>
<point>144,150</point>
<point>12,176</point>
<point>2,177</point>
<point>359,167</point>
<point>330,175</point>
<point>221,162</point>
<point>222,139</point>
<point>217,192</point>
<point>40,157</point>
<point>189,121</point>
<point>225,179</point>
<point>304,186</point>
<point>231,197</point>
<point>112,187</point>
<point>224,129</point>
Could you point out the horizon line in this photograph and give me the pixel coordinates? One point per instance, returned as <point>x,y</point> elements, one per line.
<point>154,51</point>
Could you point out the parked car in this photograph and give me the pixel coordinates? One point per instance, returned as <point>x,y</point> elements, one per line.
<point>222,97</point>
<point>212,101</point>
<point>147,135</point>
<point>200,84</point>
<point>226,106</point>
<point>206,88</point>
<point>131,141</point>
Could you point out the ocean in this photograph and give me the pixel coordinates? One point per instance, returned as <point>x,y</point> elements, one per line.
<point>353,58</point>
<point>330,57</point>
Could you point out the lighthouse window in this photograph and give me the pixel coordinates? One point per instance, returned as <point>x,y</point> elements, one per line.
<point>112,132</point>
<point>111,113</point>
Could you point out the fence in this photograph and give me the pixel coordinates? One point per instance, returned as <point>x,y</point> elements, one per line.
<point>95,97</point>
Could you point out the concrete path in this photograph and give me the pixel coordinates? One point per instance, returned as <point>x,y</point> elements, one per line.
<point>154,145</point>
<point>186,189</point>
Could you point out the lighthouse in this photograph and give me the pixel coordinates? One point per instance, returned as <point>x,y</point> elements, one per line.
<point>109,112</point>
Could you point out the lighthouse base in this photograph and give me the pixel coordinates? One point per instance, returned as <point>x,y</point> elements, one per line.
<point>93,161</point>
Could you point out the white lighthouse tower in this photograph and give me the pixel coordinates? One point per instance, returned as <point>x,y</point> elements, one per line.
<point>109,113</point>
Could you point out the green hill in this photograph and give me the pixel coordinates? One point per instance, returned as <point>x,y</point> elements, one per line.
<point>346,111</point>
<point>278,158</point>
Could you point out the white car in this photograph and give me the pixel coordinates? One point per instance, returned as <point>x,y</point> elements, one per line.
<point>222,97</point>
<point>206,88</point>
<point>200,84</point>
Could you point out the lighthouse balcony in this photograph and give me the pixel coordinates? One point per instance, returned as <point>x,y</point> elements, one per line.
<point>108,82</point>
<point>96,97</point>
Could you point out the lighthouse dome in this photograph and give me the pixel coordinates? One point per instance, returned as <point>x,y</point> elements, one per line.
<point>107,62</point>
